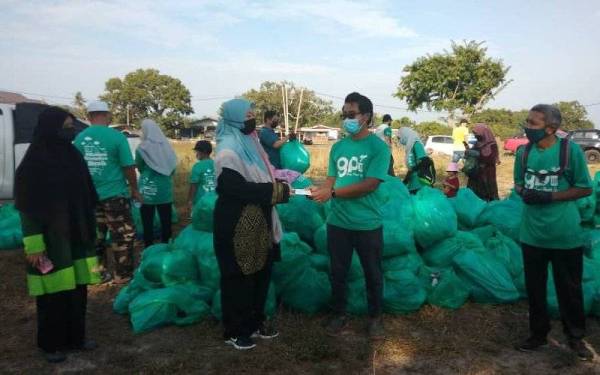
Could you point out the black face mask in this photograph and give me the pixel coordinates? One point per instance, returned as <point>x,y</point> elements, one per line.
<point>249,126</point>
<point>67,134</point>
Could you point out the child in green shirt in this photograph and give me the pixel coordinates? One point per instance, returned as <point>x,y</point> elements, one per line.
<point>202,177</point>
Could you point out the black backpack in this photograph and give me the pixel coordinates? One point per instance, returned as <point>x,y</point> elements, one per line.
<point>563,160</point>
<point>426,171</point>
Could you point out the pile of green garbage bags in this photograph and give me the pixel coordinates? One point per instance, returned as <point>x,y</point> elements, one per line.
<point>11,235</point>
<point>437,251</point>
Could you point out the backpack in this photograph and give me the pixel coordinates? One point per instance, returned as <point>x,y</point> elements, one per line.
<point>426,171</point>
<point>563,161</point>
<point>471,165</point>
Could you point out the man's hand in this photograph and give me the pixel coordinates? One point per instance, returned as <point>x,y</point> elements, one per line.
<point>136,196</point>
<point>531,196</point>
<point>35,259</point>
<point>320,194</point>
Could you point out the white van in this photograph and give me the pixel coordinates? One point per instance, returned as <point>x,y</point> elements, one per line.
<point>17,123</point>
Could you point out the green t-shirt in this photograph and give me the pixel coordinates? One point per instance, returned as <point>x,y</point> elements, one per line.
<point>387,132</point>
<point>106,152</point>
<point>203,174</point>
<point>556,225</point>
<point>418,152</point>
<point>350,162</point>
<point>155,188</point>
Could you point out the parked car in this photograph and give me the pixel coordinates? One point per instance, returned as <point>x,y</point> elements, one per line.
<point>512,144</point>
<point>589,140</point>
<point>441,144</point>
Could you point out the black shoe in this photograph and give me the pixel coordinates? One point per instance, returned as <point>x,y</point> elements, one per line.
<point>87,346</point>
<point>241,343</point>
<point>375,328</point>
<point>55,357</point>
<point>265,333</point>
<point>579,348</point>
<point>336,325</point>
<point>532,344</point>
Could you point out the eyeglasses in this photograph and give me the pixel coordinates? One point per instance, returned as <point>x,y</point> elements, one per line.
<point>350,115</point>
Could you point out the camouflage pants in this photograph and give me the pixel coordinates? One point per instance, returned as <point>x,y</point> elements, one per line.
<point>114,215</point>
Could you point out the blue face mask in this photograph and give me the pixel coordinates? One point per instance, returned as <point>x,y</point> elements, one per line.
<point>535,135</point>
<point>351,126</point>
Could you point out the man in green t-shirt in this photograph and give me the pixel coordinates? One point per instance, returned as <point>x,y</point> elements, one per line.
<point>112,168</point>
<point>551,226</point>
<point>202,178</point>
<point>357,165</point>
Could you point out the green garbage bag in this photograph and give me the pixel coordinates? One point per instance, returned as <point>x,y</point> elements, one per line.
<point>398,239</point>
<point>294,156</point>
<point>320,262</point>
<point>294,259</point>
<point>592,247</point>
<point>11,235</point>
<point>210,274</point>
<point>356,303</point>
<point>320,240</point>
<point>435,218</point>
<point>179,266</point>
<point>173,305</point>
<point>301,215</point>
<point>444,288</point>
<point>398,206</point>
<point>507,252</point>
<point>195,242</point>
<point>468,207</point>
<point>151,265</point>
<point>270,304</point>
<point>309,293</point>
<point>402,292</point>
<point>587,208</point>
<point>505,215</point>
<point>302,182</point>
<point>442,253</point>
<point>488,279</point>
<point>410,262</point>
<point>202,213</point>
<point>485,232</point>
<point>128,294</point>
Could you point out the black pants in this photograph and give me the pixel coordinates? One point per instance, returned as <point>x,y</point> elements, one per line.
<point>164,214</point>
<point>567,269</point>
<point>61,319</point>
<point>391,168</point>
<point>243,299</point>
<point>369,246</point>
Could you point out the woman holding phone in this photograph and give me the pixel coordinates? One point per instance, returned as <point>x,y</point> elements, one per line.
<point>56,199</point>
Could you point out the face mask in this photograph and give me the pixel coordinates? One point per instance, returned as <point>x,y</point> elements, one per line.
<point>66,134</point>
<point>351,126</point>
<point>249,126</point>
<point>535,135</point>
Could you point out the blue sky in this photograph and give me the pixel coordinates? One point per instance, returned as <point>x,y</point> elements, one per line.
<point>221,49</point>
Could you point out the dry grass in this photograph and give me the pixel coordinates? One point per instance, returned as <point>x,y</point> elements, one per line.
<point>476,339</point>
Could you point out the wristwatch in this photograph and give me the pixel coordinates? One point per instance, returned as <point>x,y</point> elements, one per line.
<point>332,193</point>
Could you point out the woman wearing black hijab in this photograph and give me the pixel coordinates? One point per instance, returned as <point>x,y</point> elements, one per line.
<point>56,199</point>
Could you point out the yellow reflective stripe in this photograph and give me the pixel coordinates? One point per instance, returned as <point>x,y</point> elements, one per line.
<point>87,270</point>
<point>34,244</point>
<point>51,283</point>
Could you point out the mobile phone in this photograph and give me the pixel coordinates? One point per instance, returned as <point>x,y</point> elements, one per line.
<point>302,192</point>
<point>45,265</point>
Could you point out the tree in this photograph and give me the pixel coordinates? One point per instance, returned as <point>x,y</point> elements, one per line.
<point>145,93</point>
<point>462,80</point>
<point>574,116</point>
<point>314,110</point>
<point>403,122</point>
<point>503,122</point>
<point>79,108</point>
<point>427,128</point>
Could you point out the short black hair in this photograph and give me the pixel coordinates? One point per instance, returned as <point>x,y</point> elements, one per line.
<point>387,118</point>
<point>552,116</point>
<point>204,147</point>
<point>463,121</point>
<point>269,115</point>
<point>365,105</point>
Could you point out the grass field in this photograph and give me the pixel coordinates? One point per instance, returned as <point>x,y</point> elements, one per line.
<point>476,339</point>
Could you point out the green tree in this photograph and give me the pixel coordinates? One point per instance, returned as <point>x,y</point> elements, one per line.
<point>79,106</point>
<point>503,122</point>
<point>314,110</point>
<point>145,93</point>
<point>403,122</point>
<point>427,128</point>
<point>462,80</point>
<point>574,116</point>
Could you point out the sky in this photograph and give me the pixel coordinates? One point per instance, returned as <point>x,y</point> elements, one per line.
<point>220,49</point>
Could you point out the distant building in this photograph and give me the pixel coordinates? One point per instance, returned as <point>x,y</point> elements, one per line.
<point>204,128</point>
<point>7,97</point>
<point>318,134</point>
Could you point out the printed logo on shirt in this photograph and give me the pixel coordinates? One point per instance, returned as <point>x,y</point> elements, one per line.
<point>352,167</point>
<point>209,180</point>
<point>149,187</point>
<point>540,182</point>
<point>95,155</point>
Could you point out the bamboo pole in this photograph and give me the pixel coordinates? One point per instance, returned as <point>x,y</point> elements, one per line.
<point>286,111</point>
<point>298,113</point>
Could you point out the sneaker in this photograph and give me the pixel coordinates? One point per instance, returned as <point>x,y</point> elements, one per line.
<point>87,346</point>
<point>336,325</point>
<point>532,344</point>
<point>265,333</point>
<point>375,328</point>
<point>241,343</point>
<point>55,357</point>
<point>583,353</point>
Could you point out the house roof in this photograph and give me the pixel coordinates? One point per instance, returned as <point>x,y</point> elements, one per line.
<point>8,97</point>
